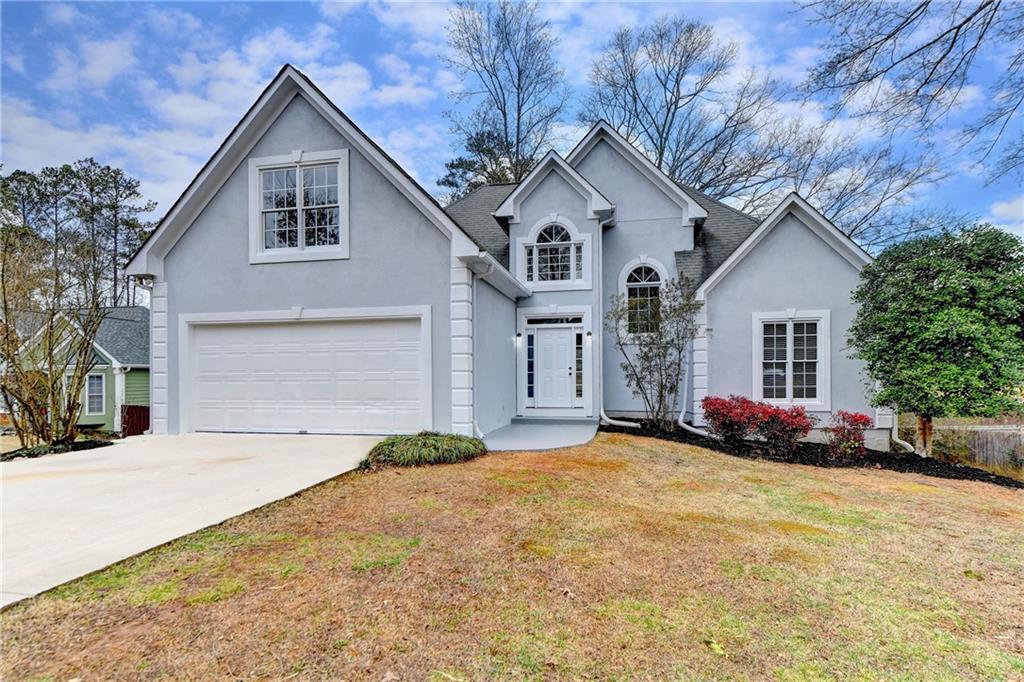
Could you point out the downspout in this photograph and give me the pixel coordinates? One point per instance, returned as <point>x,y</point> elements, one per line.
<point>894,433</point>
<point>146,283</point>
<point>687,397</point>
<point>605,419</point>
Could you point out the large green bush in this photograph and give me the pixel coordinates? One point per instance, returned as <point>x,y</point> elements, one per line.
<point>426,447</point>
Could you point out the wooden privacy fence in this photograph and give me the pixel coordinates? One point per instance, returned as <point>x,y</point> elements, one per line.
<point>134,420</point>
<point>990,445</point>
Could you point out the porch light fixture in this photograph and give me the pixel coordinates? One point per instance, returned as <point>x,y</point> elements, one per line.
<point>589,334</point>
<point>519,335</point>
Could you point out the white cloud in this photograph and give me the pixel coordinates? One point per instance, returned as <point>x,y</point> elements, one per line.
<point>62,13</point>
<point>1008,215</point>
<point>97,63</point>
<point>173,22</point>
<point>346,84</point>
<point>423,19</point>
<point>15,61</point>
<point>335,10</point>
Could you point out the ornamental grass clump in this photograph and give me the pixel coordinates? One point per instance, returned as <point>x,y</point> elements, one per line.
<point>426,447</point>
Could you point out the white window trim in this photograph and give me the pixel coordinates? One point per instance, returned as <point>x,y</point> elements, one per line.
<point>103,386</point>
<point>584,240</point>
<point>642,259</point>
<point>823,403</point>
<point>591,351</point>
<point>257,252</point>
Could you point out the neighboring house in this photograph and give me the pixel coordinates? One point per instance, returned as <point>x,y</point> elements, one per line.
<point>305,283</point>
<point>120,372</point>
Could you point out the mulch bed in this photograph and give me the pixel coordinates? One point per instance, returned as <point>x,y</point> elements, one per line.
<point>40,450</point>
<point>816,454</point>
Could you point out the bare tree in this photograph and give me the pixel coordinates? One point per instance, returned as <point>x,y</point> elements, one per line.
<point>670,88</point>
<point>504,52</point>
<point>55,258</point>
<point>911,63</point>
<point>652,336</point>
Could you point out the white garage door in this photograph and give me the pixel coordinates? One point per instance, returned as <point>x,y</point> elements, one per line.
<point>358,376</point>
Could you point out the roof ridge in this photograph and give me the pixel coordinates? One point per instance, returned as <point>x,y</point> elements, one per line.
<point>719,202</point>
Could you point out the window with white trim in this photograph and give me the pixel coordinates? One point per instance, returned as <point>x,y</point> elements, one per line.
<point>643,299</point>
<point>95,394</point>
<point>554,256</point>
<point>300,207</point>
<point>791,357</point>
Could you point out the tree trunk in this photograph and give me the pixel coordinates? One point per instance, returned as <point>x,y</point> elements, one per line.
<point>924,435</point>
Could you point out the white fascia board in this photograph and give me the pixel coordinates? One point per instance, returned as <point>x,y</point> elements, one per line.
<point>273,100</point>
<point>806,214</point>
<point>494,273</point>
<point>596,202</point>
<point>602,130</point>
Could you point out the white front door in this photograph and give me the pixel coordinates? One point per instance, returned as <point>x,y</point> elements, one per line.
<point>556,362</point>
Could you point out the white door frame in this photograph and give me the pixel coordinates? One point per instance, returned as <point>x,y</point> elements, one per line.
<point>583,311</point>
<point>187,324</point>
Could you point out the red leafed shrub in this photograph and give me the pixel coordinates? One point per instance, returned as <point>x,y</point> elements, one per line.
<point>846,434</point>
<point>732,419</point>
<point>735,418</point>
<point>781,427</point>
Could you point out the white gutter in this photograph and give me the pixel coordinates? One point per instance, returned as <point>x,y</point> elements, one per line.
<point>494,273</point>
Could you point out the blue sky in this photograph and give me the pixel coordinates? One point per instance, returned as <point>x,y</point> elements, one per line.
<point>155,88</point>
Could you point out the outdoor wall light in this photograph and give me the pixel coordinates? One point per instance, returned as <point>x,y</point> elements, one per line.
<point>589,334</point>
<point>519,335</point>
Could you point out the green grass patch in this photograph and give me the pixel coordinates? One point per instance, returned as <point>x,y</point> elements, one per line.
<point>156,594</point>
<point>226,588</point>
<point>426,447</point>
<point>372,552</point>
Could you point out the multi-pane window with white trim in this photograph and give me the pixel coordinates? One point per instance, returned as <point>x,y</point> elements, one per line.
<point>300,207</point>
<point>554,256</point>
<point>791,357</point>
<point>643,299</point>
<point>95,394</point>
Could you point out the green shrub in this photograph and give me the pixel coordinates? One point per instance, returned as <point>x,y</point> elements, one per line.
<point>426,447</point>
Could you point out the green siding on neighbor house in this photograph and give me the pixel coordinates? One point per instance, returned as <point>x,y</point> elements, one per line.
<point>103,421</point>
<point>136,387</point>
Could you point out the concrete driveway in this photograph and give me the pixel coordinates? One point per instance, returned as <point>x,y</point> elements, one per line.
<point>71,514</point>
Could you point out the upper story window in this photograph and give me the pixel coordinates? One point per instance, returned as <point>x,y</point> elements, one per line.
<point>791,357</point>
<point>643,290</point>
<point>553,256</point>
<point>300,207</point>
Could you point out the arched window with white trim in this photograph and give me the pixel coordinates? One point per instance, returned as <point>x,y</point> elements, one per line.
<point>554,256</point>
<point>643,297</point>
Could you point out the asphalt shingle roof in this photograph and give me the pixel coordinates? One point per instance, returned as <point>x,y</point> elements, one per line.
<point>124,333</point>
<point>473,214</point>
<point>724,229</point>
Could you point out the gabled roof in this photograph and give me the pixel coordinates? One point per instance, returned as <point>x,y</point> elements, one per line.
<point>288,83</point>
<point>602,130</point>
<point>475,215</point>
<point>553,163</point>
<point>796,205</point>
<point>723,231</point>
<point>124,335</point>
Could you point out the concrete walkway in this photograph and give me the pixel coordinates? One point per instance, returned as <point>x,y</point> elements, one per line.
<point>540,436</point>
<point>71,514</point>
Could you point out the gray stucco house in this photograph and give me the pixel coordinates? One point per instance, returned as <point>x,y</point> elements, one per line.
<point>305,283</point>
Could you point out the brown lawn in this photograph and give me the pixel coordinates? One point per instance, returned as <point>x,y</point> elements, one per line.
<point>629,557</point>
